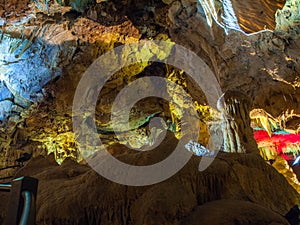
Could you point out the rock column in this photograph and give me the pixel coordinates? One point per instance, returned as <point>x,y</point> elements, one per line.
<point>238,135</point>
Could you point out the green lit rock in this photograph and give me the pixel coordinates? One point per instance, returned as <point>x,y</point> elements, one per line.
<point>63,2</point>
<point>288,19</point>
<point>77,5</point>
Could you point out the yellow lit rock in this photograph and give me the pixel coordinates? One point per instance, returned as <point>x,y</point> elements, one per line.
<point>62,145</point>
<point>282,167</point>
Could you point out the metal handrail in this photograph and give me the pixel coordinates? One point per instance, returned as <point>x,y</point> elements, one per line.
<point>5,187</point>
<point>27,207</point>
<point>21,208</point>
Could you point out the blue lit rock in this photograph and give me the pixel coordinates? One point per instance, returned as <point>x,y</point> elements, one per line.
<point>26,65</point>
<point>5,107</point>
<point>4,92</point>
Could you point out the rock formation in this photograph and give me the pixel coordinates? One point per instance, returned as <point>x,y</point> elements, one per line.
<point>37,105</point>
<point>238,135</point>
<point>46,48</point>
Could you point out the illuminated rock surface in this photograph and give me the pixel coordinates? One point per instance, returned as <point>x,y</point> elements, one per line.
<point>45,50</point>
<point>238,135</point>
<point>243,16</point>
<point>284,168</point>
<point>288,19</point>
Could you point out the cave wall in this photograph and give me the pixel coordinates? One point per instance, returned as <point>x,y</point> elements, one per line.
<point>243,63</point>
<point>47,47</point>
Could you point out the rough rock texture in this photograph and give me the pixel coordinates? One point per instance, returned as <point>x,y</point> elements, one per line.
<point>46,48</point>
<point>74,194</point>
<point>233,212</point>
<point>287,19</point>
<point>283,167</point>
<point>73,40</point>
<point>58,43</point>
<point>264,66</point>
<point>61,44</point>
<point>244,16</point>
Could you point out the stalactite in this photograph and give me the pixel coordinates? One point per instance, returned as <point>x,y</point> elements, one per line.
<point>238,135</point>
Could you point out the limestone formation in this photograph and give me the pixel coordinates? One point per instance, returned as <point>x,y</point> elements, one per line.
<point>238,135</point>
<point>288,19</point>
<point>241,15</point>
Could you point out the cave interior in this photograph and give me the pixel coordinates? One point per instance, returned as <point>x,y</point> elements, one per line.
<point>137,112</point>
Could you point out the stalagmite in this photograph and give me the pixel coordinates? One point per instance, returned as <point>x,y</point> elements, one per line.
<point>238,135</point>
